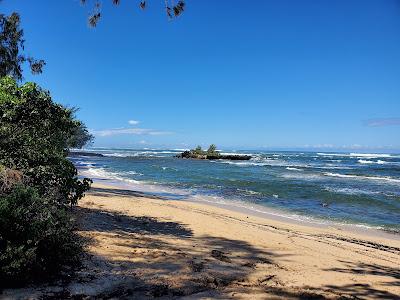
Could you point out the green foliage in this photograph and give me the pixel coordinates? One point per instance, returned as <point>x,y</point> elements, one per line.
<point>9,178</point>
<point>212,150</point>
<point>80,137</point>
<point>37,183</point>
<point>35,134</point>
<point>36,237</point>
<point>11,48</point>
<point>172,9</point>
<point>198,151</point>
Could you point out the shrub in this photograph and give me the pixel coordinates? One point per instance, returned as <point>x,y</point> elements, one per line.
<point>37,182</point>
<point>35,134</point>
<point>198,151</point>
<point>212,152</point>
<point>36,237</point>
<point>9,178</point>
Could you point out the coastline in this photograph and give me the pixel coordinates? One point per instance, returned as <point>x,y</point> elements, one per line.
<point>146,246</point>
<point>255,210</point>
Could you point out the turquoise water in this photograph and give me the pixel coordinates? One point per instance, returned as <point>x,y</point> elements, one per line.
<point>350,188</point>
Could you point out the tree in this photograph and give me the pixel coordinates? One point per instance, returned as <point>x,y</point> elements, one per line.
<point>212,150</point>
<point>12,47</point>
<point>198,150</point>
<point>172,10</point>
<point>37,183</point>
<point>80,137</point>
<point>35,134</point>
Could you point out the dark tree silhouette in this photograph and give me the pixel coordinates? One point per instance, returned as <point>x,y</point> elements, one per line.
<point>172,10</point>
<point>12,55</point>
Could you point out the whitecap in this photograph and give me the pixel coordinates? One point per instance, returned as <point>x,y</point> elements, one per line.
<point>379,162</point>
<point>350,191</point>
<point>301,176</point>
<point>363,161</point>
<point>361,177</point>
<point>250,192</point>
<point>369,155</point>
<point>331,154</point>
<point>293,169</point>
<point>102,173</point>
<point>230,153</point>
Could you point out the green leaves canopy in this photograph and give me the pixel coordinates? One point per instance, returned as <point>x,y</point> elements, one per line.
<point>11,48</point>
<point>35,134</point>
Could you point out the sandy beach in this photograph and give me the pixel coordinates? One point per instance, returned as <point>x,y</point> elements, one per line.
<point>147,247</point>
<point>184,149</point>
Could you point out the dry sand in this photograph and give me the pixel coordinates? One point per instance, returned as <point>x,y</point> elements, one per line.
<point>145,247</point>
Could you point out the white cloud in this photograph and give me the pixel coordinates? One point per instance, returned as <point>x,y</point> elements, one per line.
<point>133,122</point>
<point>128,131</point>
<point>381,122</point>
<point>319,146</point>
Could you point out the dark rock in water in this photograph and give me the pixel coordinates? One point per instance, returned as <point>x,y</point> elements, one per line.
<point>191,154</point>
<point>82,153</point>
<point>234,157</point>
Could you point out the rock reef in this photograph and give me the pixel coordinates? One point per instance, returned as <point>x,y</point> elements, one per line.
<point>83,153</point>
<point>193,155</point>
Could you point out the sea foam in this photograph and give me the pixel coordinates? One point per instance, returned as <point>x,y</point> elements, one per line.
<point>361,177</point>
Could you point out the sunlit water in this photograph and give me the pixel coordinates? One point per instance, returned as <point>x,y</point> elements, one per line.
<point>354,188</point>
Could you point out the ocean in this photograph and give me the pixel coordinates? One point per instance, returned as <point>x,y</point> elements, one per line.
<point>355,189</point>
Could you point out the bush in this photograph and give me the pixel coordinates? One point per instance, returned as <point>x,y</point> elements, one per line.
<point>35,134</point>
<point>36,237</point>
<point>9,178</point>
<point>37,183</point>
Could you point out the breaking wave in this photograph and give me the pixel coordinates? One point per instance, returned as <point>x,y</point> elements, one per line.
<point>361,177</point>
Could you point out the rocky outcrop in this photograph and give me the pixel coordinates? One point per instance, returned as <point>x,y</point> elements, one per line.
<point>82,153</point>
<point>193,155</point>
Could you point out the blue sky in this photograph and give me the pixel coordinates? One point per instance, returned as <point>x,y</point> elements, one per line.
<point>241,74</point>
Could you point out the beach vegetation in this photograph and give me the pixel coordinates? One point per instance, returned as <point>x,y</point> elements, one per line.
<point>36,236</point>
<point>38,184</point>
<point>198,151</point>
<point>35,135</point>
<point>212,150</point>
<point>80,137</point>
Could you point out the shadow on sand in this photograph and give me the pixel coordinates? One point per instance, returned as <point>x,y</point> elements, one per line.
<point>109,192</point>
<point>104,221</point>
<point>207,265</point>
<point>365,290</point>
<point>150,265</point>
<point>146,258</point>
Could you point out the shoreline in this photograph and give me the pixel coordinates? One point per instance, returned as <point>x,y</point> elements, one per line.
<point>202,251</point>
<point>141,246</point>
<point>256,210</point>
